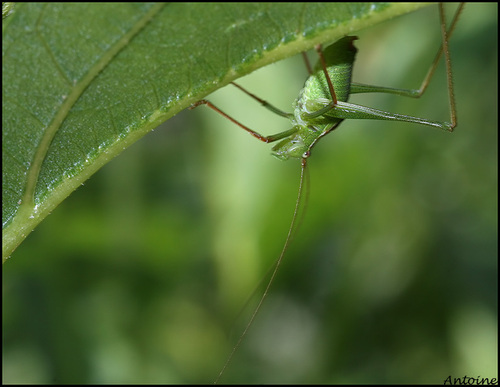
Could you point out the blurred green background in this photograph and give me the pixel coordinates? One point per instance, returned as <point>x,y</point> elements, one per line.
<point>139,276</point>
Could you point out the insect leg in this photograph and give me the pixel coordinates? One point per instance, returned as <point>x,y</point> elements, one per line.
<point>444,47</point>
<point>258,136</point>
<point>266,104</point>
<point>327,76</point>
<point>307,63</point>
<point>363,88</point>
<point>446,35</point>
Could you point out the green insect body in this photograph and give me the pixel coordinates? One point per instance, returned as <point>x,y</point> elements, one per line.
<point>315,96</point>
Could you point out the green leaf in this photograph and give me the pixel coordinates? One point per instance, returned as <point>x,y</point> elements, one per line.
<point>82,82</point>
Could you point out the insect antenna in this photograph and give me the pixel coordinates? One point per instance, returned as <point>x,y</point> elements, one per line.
<point>289,237</point>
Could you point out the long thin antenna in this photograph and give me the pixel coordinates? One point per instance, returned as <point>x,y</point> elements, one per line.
<point>276,267</point>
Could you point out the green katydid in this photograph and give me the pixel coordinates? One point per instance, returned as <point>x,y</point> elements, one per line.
<point>322,106</point>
